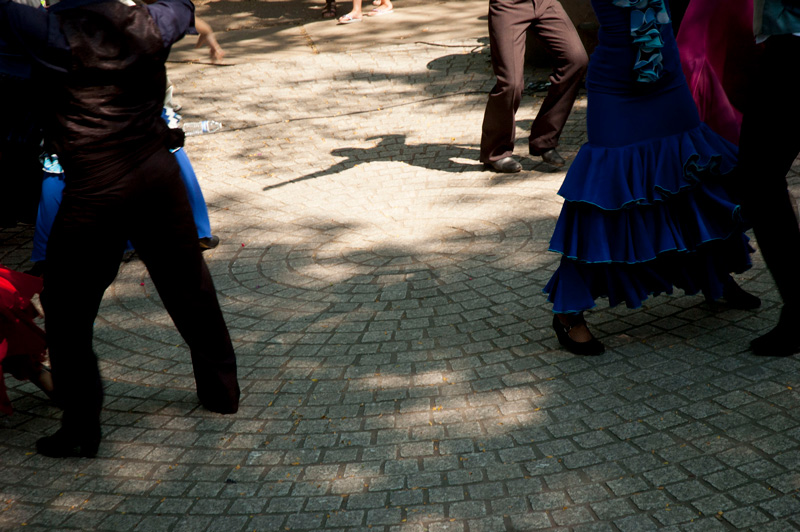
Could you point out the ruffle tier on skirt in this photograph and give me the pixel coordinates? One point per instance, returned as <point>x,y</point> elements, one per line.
<point>643,218</point>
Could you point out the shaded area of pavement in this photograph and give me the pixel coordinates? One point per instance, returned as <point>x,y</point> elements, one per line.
<point>398,368</point>
<point>264,28</point>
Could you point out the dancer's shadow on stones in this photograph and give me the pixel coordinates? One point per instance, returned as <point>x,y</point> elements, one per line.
<point>456,158</point>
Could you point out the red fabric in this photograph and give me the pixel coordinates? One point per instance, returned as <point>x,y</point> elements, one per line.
<point>5,403</point>
<point>19,335</point>
<point>717,47</point>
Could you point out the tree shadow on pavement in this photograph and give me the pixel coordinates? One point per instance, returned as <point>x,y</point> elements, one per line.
<point>455,158</point>
<point>393,147</point>
<point>420,377</point>
<point>230,15</point>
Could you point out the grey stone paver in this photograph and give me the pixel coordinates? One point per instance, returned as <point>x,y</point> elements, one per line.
<point>396,361</point>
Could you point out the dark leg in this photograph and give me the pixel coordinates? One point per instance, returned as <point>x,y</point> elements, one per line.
<point>165,237</point>
<point>770,141</point>
<point>554,28</point>
<point>83,255</point>
<point>508,21</point>
<point>677,10</point>
<point>329,11</point>
<point>20,183</point>
<point>20,179</point>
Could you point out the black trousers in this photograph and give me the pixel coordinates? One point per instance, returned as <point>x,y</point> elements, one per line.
<point>769,144</point>
<point>20,138</point>
<point>677,10</point>
<point>148,205</point>
<point>508,22</point>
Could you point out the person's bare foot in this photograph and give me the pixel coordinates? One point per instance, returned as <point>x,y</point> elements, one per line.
<point>207,38</point>
<point>384,8</point>
<point>350,18</point>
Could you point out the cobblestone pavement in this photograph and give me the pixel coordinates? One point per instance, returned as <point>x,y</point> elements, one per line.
<point>398,368</point>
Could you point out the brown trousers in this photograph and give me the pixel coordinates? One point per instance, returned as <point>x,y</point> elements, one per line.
<point>508,23</point>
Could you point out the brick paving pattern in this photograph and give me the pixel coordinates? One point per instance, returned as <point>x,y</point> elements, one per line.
<point>398,368</point>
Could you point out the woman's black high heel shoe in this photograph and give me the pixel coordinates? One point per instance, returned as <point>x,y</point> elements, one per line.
<point>586,349</point>
<point>62,444</point>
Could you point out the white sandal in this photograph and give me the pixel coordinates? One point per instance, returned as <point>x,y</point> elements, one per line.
<point>348,19</point>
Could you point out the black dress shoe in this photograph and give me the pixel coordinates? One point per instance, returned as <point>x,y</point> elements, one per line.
<point>553,158</point>
<point>507,165</point>
<point>219,407</point>
<point>779,342</point>
<point>737,298</point>
<point>783,340</point>
<point>222,402</point>
<point>63,444</point>
<point>587,349</point>
<point>209,242</point>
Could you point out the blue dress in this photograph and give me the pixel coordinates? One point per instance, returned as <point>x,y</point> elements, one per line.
<point>644,209</point>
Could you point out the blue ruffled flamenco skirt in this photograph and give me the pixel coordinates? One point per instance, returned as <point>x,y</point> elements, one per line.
<point>643,218</point>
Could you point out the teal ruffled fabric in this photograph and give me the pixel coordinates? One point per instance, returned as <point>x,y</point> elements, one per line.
<point>647,18</point>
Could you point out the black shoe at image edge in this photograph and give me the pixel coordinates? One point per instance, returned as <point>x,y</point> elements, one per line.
<point>64,444</point>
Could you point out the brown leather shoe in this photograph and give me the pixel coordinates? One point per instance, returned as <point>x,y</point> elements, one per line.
<point>553,158</point>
